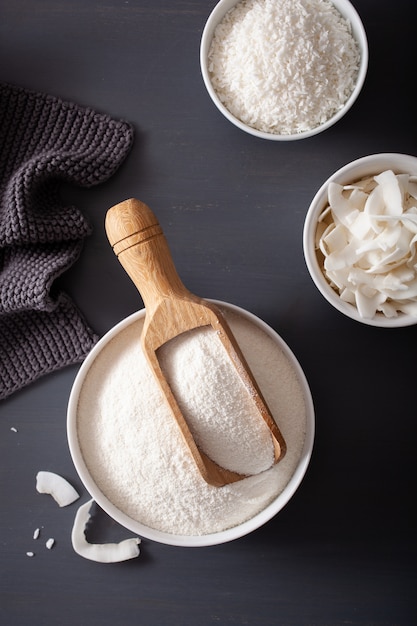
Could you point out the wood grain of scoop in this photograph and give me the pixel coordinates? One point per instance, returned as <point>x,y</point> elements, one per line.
<point>170,310</point>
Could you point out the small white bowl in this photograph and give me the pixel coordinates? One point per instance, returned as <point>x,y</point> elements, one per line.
<point>345,8</point>
<point>366,166</point>
<point>299,462</point>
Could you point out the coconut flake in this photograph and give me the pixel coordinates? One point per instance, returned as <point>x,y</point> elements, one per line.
<point>367,235</point>
<point>57,487</point>
<point>391,192</point>
<point>100,552</point>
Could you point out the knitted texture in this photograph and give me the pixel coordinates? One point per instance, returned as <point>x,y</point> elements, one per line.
<point>45,141</point>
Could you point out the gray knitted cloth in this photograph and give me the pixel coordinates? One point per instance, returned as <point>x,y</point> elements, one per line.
<point>44,141</point>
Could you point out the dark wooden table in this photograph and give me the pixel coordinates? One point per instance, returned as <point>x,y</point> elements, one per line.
<point>343,551</point>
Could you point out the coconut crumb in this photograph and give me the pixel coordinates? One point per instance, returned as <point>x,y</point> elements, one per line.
<point>50,543</point>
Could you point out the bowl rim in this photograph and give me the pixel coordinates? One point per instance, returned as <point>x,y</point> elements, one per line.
<point>185,540</point>
<point>364,166</point>
<point>347,10</point>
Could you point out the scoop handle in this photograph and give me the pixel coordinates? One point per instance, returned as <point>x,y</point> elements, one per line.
<point>139,243</point>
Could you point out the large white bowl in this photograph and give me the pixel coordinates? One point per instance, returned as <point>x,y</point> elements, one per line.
<point>183,540</point>
<point>345,8</point>
<point>366,166</point>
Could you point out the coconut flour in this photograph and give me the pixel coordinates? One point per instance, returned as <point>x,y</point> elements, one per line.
<point>223,419</point>
<point>134,450</point>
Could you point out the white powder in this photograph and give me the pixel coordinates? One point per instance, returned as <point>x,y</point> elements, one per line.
<point>136,455</point>
<point>284,66</point>
<point>225,423</point>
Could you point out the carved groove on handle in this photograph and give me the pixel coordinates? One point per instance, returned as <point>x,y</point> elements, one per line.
<point>136,238</point>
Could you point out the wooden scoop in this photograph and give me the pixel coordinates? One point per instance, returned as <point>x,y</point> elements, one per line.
<point>139,243</point>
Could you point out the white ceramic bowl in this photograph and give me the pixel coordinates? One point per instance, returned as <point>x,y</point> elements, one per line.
<point>300,463</point>
<point>345,8</point>
<point>366,166</point>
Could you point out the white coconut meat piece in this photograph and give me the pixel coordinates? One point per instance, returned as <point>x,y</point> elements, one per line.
<point>388,309</point>
<point>404,292</point>
<point>361,226</point>
<point>359,280</point>
<point>409,221</point>
<point>347,295</point>
<point>398,279</point>
<point>56,486</point>
<point>376,210</point>
<point>324,231</point>
<point>368,305</point>
<point>334,239</point>
<point>345,256</point>
<point>100,552</point>
<point>339,279</point>
<point>387,257</point>
<point>391,191</point>
<point>387,285</point>
<point>408,307</point>
<point>345,209</point>
<point>412,187</point>
<point>365,184</point>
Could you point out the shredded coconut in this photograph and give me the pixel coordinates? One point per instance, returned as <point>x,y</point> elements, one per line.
<point>135,453</point>
<point>284,66</point>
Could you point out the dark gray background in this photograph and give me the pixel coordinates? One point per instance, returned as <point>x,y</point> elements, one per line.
<point>343,551</point>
